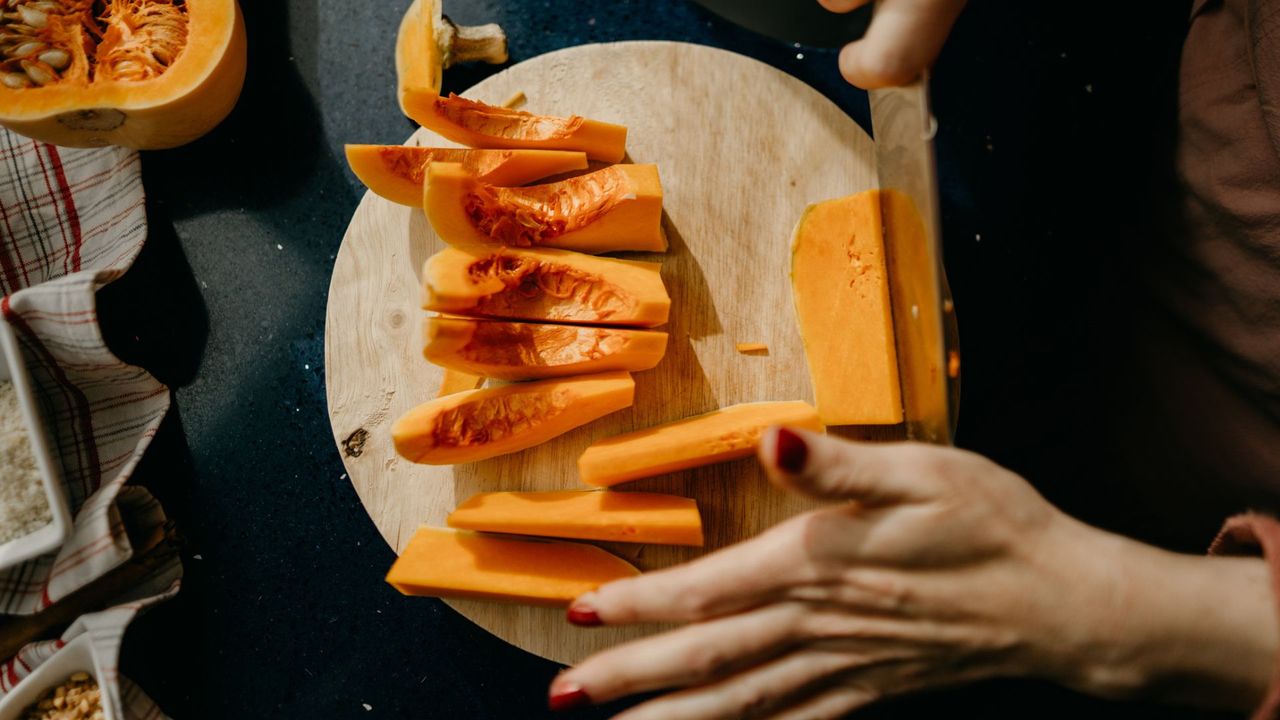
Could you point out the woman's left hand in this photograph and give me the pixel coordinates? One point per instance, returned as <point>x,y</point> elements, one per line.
<point>940,568</point>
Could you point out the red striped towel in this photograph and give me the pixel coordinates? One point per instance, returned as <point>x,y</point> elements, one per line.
<point>70,222</point>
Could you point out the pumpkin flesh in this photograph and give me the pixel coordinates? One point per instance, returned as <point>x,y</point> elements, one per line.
<point>530,351</point>
<point>730,433</point>
<point>616,208</point>
<point>162,74</point>
<point>478,125</point>
<point>455,381</point>
<point>445,563</point>
<point>398,172</point>
<point>545,285</point>
<point>584,515</point>
<point>840,286</point>
<point>476,425</point>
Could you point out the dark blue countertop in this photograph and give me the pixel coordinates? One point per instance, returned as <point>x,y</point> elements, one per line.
<point>1053,117</point>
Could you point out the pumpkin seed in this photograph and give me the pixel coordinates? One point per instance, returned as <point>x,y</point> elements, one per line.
<point>14,80</point>
<point>39,73</point>
<point>33,17</point>
<point>30,47</point>
<point>55,58</point>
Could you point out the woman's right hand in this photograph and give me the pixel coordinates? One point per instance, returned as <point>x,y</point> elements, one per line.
<point>903,40</point>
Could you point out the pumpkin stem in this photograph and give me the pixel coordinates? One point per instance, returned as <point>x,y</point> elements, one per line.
<point>472,43</point>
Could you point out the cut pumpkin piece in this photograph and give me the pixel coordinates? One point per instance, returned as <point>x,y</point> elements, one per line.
<point>841,291</point>
<point>479,424</point>
<point>584,515</point>
<point>439,562</point>
<point>530,351</point>
<point>455,381</point>
<point>616,208</point>
<point>428,43</point>
<point>727,434</point>
<point>478,125</point>
<point>545,285</point>
<point>399,172</point>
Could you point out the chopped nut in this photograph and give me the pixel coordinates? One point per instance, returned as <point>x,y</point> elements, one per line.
<point>76,699</point>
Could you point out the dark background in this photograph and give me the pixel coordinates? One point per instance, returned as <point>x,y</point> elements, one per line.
<point>1056,128</point>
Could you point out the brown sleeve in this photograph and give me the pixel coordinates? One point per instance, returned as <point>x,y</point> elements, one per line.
<point>1253,534</point>
<point>1264,35</point>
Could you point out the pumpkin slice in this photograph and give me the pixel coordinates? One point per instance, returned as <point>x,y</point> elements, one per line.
<point>617,208</point>
<point>718,436</point>
<point>138,73</point>
<point>455,381</point>
<point>478,125</point>
<point>584,515</point>
<point>439,562</point>
<point>398,172</point>
<point>545,285</point>
<point>530,351</point>
<point>429,42</point>
<point>478,424</point>
<point>841,291</point>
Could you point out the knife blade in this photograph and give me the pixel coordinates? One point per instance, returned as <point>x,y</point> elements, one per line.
<point>923,317</point>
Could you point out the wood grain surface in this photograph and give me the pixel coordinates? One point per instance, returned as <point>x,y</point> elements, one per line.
<point>741,148</point>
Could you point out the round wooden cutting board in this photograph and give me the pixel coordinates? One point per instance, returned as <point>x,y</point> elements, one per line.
<point>742,148</point>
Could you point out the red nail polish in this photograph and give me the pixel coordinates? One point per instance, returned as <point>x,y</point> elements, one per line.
<point>790,453</point>
<point>583,616</point>
<point>570,697</point>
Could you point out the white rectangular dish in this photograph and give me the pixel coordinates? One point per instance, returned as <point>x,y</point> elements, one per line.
<point>53,535</point>
<point>76,656</point>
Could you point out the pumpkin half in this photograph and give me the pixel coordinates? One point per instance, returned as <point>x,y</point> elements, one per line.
<point>138,73</point>
<point>398,172</point>
<point>615,208</point>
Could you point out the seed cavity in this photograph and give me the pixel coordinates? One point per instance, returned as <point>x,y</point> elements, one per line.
<point>43,42</point>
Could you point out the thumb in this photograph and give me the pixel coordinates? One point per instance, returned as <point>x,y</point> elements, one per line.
<point>903,40</point>
<point>830,468</point>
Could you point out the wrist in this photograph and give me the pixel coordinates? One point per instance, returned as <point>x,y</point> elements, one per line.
<point>1169,627</point>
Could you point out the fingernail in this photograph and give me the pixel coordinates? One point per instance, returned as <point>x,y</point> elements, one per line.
<point>583,616</point>
<point>570,697</point>
<point>790,453</point>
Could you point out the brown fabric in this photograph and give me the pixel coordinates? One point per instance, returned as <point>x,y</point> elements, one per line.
<point>1251,534</point>
<point>1222,278</point>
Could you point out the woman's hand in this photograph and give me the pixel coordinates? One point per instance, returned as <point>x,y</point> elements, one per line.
<point>903,40</point>
<point>943,568</point>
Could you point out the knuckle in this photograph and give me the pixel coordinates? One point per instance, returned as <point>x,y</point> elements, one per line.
<point>697,603</point>
<point>705,661</point>
<point>813,534</point>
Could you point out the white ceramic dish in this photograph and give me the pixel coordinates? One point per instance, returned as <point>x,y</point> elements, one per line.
<point>51,536</point>
<point>76,656</point>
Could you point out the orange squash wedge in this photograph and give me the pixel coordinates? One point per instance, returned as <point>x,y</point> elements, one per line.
<point>719,436</point>
<point>399,172</point>
<point>478,125</point>
<point>479,424</point>
<point>428,43</point>
<point>444,563</point>
<point>531,351</point>
<point>137,73</point>
<point>584,515</point>
<point>840,286</point>
<point>545,285</point>
<point>455,381</point>
<point>616,208</point>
